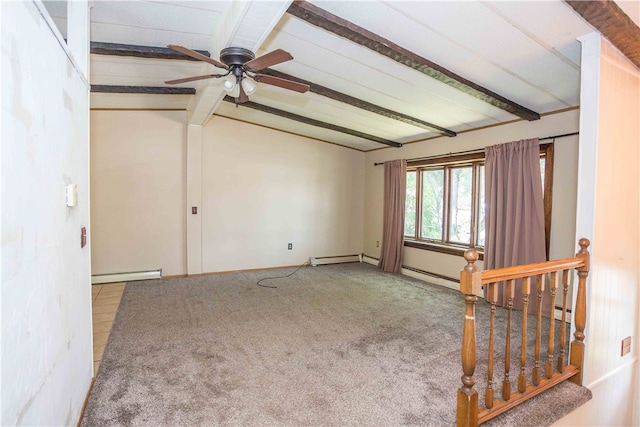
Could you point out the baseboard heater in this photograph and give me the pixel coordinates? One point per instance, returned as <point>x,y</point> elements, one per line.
<point>126,277</point>
<point>338,259</point>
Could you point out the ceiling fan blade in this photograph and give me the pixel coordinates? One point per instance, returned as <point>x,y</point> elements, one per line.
<point>196,55</point>
<point>283,83</point>
<point>191,79</point>
<point>268,59</point>
<point>243,96</point>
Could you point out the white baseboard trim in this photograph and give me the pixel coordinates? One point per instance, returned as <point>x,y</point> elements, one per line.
<point>337,259</point>
<point>627,365</point>
<point>558,315</point>
<point>126,277</point>
<point>427,278</point>
<point>431,279</point>
<point>369,260</point>
<point>447,283</point>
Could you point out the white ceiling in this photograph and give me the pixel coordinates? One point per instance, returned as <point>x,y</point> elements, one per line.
<point>525,51</point>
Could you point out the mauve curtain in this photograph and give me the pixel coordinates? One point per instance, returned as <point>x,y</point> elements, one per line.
<point>514,213</point>
<point>395,193</point>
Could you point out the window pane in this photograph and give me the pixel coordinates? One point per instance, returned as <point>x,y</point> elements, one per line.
<point>432,204</point>
<point>410,206</point>
<point>481,232</point>
<point>460,211</point>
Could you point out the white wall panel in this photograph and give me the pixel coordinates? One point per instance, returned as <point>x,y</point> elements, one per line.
<point>46,286</point>
<point>263,189</point>
<point>608,212</point>
<point>138,188</point>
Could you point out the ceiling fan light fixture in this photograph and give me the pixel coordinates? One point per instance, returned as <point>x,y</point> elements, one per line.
<point>241,65</point>
<point>229,84</point>
<point>235,92</point>
<point>248,86</point>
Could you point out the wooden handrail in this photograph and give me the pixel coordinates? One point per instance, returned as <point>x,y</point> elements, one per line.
<point>521,271</point>
<point>471,281</point>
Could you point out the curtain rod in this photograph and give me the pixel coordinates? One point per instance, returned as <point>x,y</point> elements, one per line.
<point>546,138</point>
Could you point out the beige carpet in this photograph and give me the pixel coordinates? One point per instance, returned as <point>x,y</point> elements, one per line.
<point>330,346</point>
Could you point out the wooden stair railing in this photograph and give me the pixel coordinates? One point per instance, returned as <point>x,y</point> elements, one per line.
<point>471,281</point>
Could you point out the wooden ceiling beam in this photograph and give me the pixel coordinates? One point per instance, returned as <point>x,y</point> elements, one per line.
<point>137,51</point>
<point>150,52</point>
<point>607,17</point>
<point>343,28</point>
<point>151,90</point>
<point>161,90</point>
<point>312,122</point>
<point>364,105</point>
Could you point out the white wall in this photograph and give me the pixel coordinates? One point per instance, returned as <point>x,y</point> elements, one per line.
<point>609,208</point>
<point>256,190</point>
<point>138,191</point>
<point>263,189</point>
<point>563,240</point>
<point>46,353</point>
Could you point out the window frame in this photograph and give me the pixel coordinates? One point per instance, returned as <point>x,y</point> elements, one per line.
<point>475,160</point>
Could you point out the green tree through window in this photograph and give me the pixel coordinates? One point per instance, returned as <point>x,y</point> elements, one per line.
<point>432,204</point>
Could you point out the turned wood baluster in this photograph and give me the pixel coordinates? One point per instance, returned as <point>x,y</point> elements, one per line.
<point>535,374</point>
<point>470,286</point>
<point>506,383</point>
<point>563,327</point>
<point>492,297</point>
<point>553,285</point>
<point>576,355</point>
<point>522,379</point>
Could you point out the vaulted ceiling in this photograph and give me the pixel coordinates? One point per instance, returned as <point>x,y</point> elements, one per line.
<point>381,73</point>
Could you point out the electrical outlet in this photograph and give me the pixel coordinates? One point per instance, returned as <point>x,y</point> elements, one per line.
<point>290,246</point>
<point>377,243</point>
<point>626,346</point>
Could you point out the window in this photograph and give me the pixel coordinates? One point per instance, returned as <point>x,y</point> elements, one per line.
<point>445,201</point>
<point>444,206</point>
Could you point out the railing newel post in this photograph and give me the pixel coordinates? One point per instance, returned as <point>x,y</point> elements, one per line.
<point>470,286</point>
<point>576,352</point>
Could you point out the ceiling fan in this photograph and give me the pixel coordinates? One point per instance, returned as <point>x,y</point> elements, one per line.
<point>241,64</point>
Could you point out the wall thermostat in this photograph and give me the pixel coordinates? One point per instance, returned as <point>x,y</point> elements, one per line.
<point>72,195</point>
